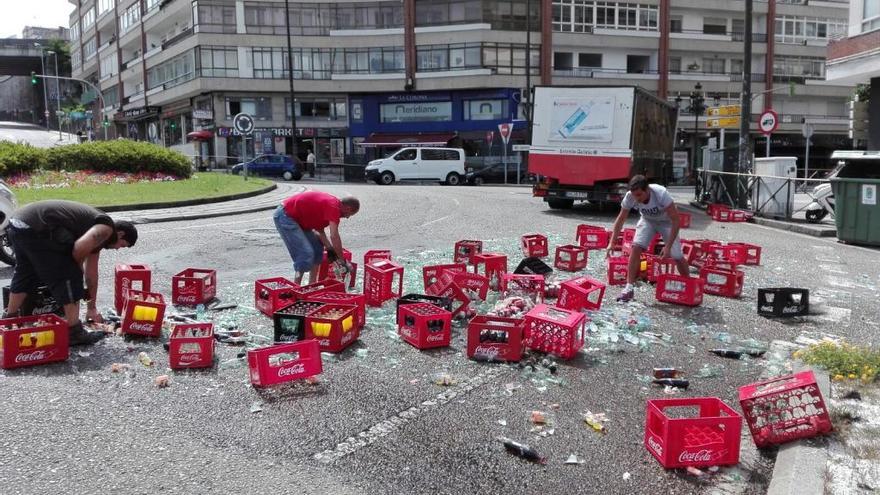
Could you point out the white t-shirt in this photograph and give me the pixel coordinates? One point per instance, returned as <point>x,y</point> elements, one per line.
<point>310,158</point>
<point>655,209</point>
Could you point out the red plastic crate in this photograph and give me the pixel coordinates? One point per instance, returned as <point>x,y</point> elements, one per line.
<point>581,293</point>
<point>710,209</point>
<point>271,294</point>
<point>625,239</point>
<point>193,286</point>
<point>684,220</point>
<point>289,322</point>
<point>431,273</point>
<point>493,266</point>
<point>376,254</point>
<point>424,326</point>
<point>676,289</point>
<point>326,285</point>
<point>493,338</point>
<point>333,326</point>
<point>724,283</point>
<point>143,314</point>
<point>359,301</point>
<point>326,272</point>
<point>554,330</point>
<point>592,236</point>
<point>688,250</point>
<point>535,245</point>
<point>660,266</point>
<point>33,340</point>
<point>709,437</point>
<point>617,266</point>
<point>134,277</point>
<point>325,269</point>
<point>753,252</point>
<point>446,287</point>
<point>383,280</point>
<point>571,258</point>
<point>284,363</point>
<point>466,249</point>
<point>784,409</point>
<point>474,285</point>
<point>730,254</point>
<point>529,285</point>
<point>191,345</point>
<point>729,215</point>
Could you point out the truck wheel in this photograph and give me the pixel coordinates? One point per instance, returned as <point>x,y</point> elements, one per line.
<point>560,204</point>
<point>453,179</point>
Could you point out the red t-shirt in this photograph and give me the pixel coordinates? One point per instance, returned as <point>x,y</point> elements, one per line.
<point>313,210</point>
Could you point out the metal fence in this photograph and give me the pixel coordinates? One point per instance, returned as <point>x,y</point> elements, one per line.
<point>764,195</point>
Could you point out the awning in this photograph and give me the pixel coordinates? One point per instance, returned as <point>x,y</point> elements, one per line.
<point>437,139</point>
<point>200,135</point>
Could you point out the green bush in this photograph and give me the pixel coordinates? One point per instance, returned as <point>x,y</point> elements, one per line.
<point>17,158</point>
<point>119,156</point>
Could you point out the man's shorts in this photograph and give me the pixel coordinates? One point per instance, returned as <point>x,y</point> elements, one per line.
<point>645,232</point>
<point>42,261</point>
<point>304,247</point>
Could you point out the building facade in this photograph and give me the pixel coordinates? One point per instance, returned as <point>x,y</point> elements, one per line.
<point>369,72</point>
<point>44,33</point>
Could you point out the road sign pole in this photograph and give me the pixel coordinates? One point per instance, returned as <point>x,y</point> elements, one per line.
<point>767,153</point>
<point>244,155</point>
<point>504,159</point>
<point>721,144</point>
<point>807,163</point>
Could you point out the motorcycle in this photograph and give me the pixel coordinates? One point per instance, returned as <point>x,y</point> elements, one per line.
<point>822,204</point>
<point>8,204</point>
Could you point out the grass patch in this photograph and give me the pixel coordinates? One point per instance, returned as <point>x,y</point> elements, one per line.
<point>843,361</point>
<point>201,185</point>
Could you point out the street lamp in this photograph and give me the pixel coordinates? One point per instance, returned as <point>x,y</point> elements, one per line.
<point>45,95</point>
<point>697,108</point>
<point>57,93</point>
<point>293,148</point>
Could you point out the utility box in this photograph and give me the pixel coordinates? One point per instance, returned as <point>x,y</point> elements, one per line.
<point>855,182</point>
<point>773,193</point>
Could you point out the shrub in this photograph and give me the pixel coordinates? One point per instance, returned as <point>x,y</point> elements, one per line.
<point>843,361</point>
<point>18,158</point>
<point>119,156</point>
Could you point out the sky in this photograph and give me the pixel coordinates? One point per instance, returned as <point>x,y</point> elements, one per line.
<point>16,14</point>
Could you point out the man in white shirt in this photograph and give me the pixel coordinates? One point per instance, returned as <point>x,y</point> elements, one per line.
<point>310,163</point>
<point>659,215</point>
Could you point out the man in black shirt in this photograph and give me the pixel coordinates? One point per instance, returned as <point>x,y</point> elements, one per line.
<point>55,242</point>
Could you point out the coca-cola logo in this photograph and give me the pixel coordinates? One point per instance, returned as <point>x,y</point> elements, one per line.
<point>324,343</point>
<point>45,309</point>
<point>488,352</point>
<point>186,299</point>
<point>347,337</point>
<point>435,338</point>
<point>139,326</point>
<point>670,295</point>
<point>189,358</point>
<point>656,446</point>
<point>791,309</point>
<point>32,357</point>
<point>407,332</point>
<point>292,370</point>
<point>187,290</point>
<point>704,455</point>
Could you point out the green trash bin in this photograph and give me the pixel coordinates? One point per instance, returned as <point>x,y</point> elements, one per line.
<point>856,185</point>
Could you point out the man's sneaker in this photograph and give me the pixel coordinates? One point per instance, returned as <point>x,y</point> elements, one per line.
<point>80,336</point>
<point>626,296</point>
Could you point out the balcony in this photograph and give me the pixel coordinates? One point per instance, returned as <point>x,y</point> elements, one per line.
<point>177,38</point>
<point>606,73</point>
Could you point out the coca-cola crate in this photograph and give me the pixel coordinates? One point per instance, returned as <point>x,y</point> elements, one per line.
<point>383,280</point>
<point>319,287</point>
<point>535,245</point>
<point>617,266</point>
<point>440,302</point>
<point>724,283</point>
<point>446,287</point>
<point>424,326</point>
<point>493,266</point>
<point>554,330</point>
<point>493,338</point>
<point>660,266</point>
<point>753,252</point>
<point>783,302</point>
<point>39,302</point>
<point>474,285</point>
<point>359,301</point>
<point>193,286</point>
<point>33,340</point>
<point>692,432</point>
<point>784,409</point>
<point>466,249</point>
<point>284,363</point>
<point>625,239</point>
<point>143,314</point>
<point>333,326</point>
<point>729,253</point>
<point>710,210</point>
<point>720,265</point>
<point>533,266</point>
<point>135,277</point>
<point>729,215</point>
<point>688,250</point>
<point>531,286</point>
<point>431,273</point>
<point>290,321</point>
<point>571,258</point>
<point>325,269</point>
<point>678,289</point>
<point>376,254</point>
<point>191,345</point>
<point>592,236</point>
<point>581,293</point>
<point>684,220</point>
<point>271,294</point>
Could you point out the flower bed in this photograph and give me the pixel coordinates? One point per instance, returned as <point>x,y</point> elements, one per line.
<point>60,179</point>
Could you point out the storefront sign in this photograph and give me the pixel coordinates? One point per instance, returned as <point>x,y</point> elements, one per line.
<point>415,97</point>
<point>203,114</point>
<point>134,113</point>
<point>286,132</point>
<point>439,111</point>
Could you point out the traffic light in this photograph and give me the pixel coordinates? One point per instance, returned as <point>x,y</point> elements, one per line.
<point>33,78</point>
<point>105,123</point>
<point>173,125</point>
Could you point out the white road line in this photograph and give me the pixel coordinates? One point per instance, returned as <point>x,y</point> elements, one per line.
<point>433,221</point>
<point>203,225</point>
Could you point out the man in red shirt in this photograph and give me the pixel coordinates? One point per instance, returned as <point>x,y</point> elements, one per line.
<point>301,220</point>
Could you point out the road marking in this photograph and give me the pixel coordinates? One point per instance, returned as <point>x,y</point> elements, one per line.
<point>203,225</point>
<point>395,422</point>
<point>433,221</point>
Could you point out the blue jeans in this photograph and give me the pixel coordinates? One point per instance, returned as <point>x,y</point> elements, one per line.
<point>304,247</point>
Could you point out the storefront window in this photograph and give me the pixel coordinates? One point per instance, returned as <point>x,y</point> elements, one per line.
<point>259,108</point>
<point>432,111</point>
<point>485,109</point>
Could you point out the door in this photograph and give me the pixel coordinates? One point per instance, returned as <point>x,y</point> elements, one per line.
<point>405,164</point>
<point>433,164</point>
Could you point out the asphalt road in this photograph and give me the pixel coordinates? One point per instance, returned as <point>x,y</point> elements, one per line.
<point>376,422</point>
<point>34,135</point>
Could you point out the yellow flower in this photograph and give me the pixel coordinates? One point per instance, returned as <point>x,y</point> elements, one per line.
<point>852,376</point>
<point>838,378</point>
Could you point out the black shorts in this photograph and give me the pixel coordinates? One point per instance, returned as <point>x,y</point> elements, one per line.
<point>41,261</point>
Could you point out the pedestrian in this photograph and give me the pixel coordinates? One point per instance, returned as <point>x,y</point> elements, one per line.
<point>301,220</point>
<point>658,215</point>
<point>310,162</point>
<point>55,243</point>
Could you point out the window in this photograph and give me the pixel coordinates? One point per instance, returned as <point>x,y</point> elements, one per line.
<point>130,17</point>
<point>798,30</point>
<point>383,15</point>
<point>170,73</point>
<point>264,18</point>
<point>485,109</point>
<point>88,18</point>
<point>434,154</point>
<point>109,66</point>
<point>638,64</point>
<point>318,108</point>
<point>714,25</point>
<point>562,60</point>
<point>800,67</point>
<point>407,154</point>
<point>218,61</point>
<point>505,58</point>
<point>111,96</point>
<point>89,48</point>
<point>589,60</point>
<point>75,59</point>
<point>738,26</point>
<point>736,66</point>
<point>105,6</point>
<point>581,16</point>
<point>259,108</point>
<point>675,23</point>
<point>428,111</point>
<point>444,12</point>
<point>152,4</point>
<point>713,65</point>
<point>217,18</point>
<point>448,57</point>
<point>870,9</point>
<point>675,65</point>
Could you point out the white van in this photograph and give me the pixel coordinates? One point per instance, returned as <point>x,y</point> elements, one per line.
<point>442,164</point>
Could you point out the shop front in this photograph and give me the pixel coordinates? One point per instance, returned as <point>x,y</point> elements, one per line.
<point>328,144</point>
<point>139,124</point>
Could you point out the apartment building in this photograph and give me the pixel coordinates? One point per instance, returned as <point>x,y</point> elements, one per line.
<point>368,74</point>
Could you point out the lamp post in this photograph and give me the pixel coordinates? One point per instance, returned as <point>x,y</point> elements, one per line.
<point>45,95</point>
<point>697,108</point>
<point>293,147</point>
<point>57,93</point>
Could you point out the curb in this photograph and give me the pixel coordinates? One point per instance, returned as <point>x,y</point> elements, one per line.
<point>793,227</point>
<point>188,202</point>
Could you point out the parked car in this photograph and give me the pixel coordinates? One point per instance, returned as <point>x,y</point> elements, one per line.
<point>495,174</point>
<point>275,165</point>
<point>8,204</point>
<point>442,164</point>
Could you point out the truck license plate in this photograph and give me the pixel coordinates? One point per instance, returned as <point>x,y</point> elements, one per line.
<point>577,194</point>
